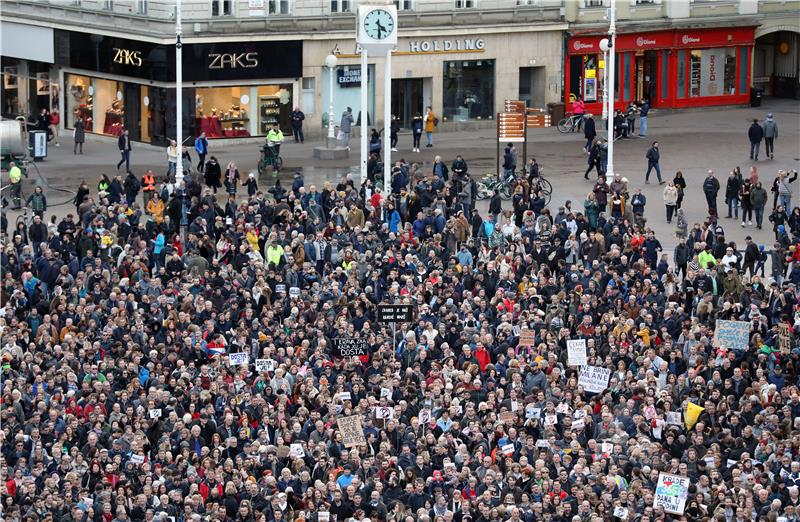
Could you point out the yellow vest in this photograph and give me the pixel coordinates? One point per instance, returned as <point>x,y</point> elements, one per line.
<point>15,174</point>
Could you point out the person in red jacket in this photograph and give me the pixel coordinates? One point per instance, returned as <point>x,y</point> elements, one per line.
<point>210,483</point>
<point>483,356</point>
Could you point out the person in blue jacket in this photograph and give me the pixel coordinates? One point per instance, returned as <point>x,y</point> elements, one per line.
<point>393,218</point>
<point>201,147</point>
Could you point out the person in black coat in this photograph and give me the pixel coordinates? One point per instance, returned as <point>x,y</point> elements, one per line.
<point>589,131</point>
<point>213,174</point>
<point>124,145</point>
<point>756,134</point>
<point>496,205</point>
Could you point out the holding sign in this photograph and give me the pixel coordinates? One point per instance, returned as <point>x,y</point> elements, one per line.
<point>594,379</point>
<point>347,347</point>
<point>238,359</point>
<point>671,493</point>
<point>733,335</point>
<point>576,352</point>
<point>352,432</point>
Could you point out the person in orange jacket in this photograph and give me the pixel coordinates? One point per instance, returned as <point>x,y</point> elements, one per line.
<point>430,121</point>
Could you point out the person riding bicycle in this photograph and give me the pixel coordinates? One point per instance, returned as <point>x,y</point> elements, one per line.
<point>459,166</point>
<point>274,140</point>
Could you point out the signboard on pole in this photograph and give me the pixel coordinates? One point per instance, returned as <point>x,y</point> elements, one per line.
<point>671,493</point>
<point>576,352</point>
<point>594,379</point>
<point>348,347</point>
<point>733,335</point>
<point>510,127</point>
<point>352,431</point>
<point>400,313</point>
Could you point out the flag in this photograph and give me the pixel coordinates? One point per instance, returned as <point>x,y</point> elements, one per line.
<point>212,351</point>
<point>693,412</point>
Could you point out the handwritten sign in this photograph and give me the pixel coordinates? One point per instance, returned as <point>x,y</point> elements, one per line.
<point>576,352</point>
<point>348,347</point>
<point>400,313</point>
<point>674,418</point>
<point>155,413</point>
<point>265,365</point>
<point>351,430</point>
<point>527,337</point>
<point>784,337</point>
<point>238,359</point>
<point>508,417</point>
<point>671,493</point>
<point>296,450</point>
<point>594,379</point>
<point>733,335</point>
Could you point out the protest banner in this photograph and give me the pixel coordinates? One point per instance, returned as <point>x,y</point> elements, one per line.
<point>238,359</point>
<point>594,379</point>
<point>508,449</point>
<point>527,337</point>
<point>265,365</point>
<point>621,512</point>
<point>349,347</point>
<point>137,459</point>
<point>671,493</point>
<point>508,417</point>
<point>351,430</point>
<point>155,413</point>
<point>576,352</point>
<point>732,335</point>
<point>784,337</point>
<point>296,450</point>
<point>674,418</point>
<point>400,313</point>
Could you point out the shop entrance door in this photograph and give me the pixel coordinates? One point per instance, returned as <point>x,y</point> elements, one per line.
<point>407,100</point>
<point>133,120</point>
<point>647,77</point>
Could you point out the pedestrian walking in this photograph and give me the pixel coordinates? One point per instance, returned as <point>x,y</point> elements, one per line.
<point>78,135</point>
<point>416,130</point>
<point>745,193</point>
<point>431,122</point>
<point>630,117</point>
<point>345,127</point>
<point>680,185</point>
<point>758,200</point>
<point>509,162</point>
<point>251,184</point>
<point>770,135</point>
<point>297,117</point>
<point>124,145</point>
<point>644,110</point>
<point>231,178</point>
<point>710,189</point>
<point>755,133</point>
<point>37,202</point>
<point>751,256</point>
<point>394,129</point>
<point>784,190</point>
<point>589,131</point>
<point>578,110</point>
<point>670,195</point>
<point>778,218</point>
<point>131,187</point>
<point>15,180</point>
<point>653,162</point>
<point>55,123</point>
<point>593,160</point>
<point>638,202</point>
<point>212,174</point>
<point>201,147</point>
<point>732,187</point>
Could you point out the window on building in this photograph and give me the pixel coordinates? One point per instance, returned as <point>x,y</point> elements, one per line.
<point>681,73</point>
<point>280,7</point>
<point>404,5</point>
<point>744,68</point>
<point>468,90</point>
<point>529,2</point>
<point>594,3</point>
<point>341,6</point>
<point>108,5</point>
<point>75,3</point>
<point>221,7</point>
<point>644,2</point>
<point>141,7</point>
<point>308,96</point>
<point>466,4</point>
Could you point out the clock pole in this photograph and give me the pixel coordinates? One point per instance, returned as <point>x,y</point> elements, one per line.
<point>364,120</point>
<point>387,123</point>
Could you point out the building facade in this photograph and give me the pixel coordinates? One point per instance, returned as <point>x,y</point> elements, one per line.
<point>249,63</point>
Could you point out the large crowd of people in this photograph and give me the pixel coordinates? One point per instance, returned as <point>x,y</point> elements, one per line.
<point>130,343</point>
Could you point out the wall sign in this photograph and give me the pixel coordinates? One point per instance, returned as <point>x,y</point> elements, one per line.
<point>233,60</point>
<point>457,45</point>
<point>349,76</point>
<point>127,57</point>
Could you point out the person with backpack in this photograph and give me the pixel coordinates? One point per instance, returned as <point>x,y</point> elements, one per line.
<point>710,189</point>
<point>770,135</point>
<point>653,158</point>
<point>758,200</point>
<point>755,133</point>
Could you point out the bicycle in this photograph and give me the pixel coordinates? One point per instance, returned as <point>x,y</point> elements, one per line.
<point>490,183</point>
<point>569,123</point>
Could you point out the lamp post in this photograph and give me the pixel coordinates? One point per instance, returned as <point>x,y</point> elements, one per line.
<point>178,93</point>
<point>604,48</point>
<point>330,63</point>
<point>612,37</point>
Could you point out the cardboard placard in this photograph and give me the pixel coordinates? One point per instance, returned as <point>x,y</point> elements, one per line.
<point>784,337</point>
<point>352,431</point>
<point>527,337</point>
<point>265,365</point>
<point>671,493</point>
<point>508,417</point>
<point>732,335</point>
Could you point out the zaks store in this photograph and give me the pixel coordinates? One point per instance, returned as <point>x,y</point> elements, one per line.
<point>673,68</point>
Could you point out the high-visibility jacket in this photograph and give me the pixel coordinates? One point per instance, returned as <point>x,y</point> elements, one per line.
<point>149,183</point>
<point>15,174</point>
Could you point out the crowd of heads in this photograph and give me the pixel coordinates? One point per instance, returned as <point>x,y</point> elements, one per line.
<point>153,371</point>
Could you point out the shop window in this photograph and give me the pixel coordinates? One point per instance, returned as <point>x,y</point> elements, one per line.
<point>279,7</point>
<point>223,112</point>
<point>681,73</point>
<point>468,90</point>
<point>108,5</point>
<point>404,5</point>
<point>626,60</point>
<point>341,6</point>
<point>100,103</point>
<point>712,72</point>
<point>221,7</point>
<point>10,91</point>
<point>274,106</point>
<point>730,71</point>
<point>744,68</point>
<point>79,101</point>
<point>308,97</point>
<point>466,4</point>
<point>694,73</point>
<point>591,73</point>
<point>594,3</point>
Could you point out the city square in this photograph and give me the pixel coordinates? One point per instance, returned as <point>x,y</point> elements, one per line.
<point>522,289</point>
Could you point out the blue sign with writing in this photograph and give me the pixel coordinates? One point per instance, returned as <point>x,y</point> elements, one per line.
<point>733,335</point>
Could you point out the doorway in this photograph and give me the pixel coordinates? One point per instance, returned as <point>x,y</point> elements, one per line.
<point>407,100</point>
<point>647,77</point>
<point>532,86</point>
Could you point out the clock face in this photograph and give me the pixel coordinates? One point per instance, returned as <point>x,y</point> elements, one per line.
<point>379,24</point>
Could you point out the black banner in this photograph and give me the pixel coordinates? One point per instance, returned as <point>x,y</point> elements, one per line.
<point>348,347</point>
<point>399,313</point>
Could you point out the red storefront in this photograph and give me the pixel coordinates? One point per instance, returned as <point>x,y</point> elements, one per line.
<point>673,68</point>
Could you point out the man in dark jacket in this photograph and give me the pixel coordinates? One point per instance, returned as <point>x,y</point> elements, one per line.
<point>710,189</point>
<point>132,187</point>
<point>124,145</point>
<point>756,134</point>
<point>653,157</point>
<point>732,195</point>
<point>496,205</point>
<point>751,256</point>
<point>589,131</point>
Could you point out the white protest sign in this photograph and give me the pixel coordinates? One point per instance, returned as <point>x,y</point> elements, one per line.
<point>594,379</point>
<point>532,412</point>
<point>424,416</point>
<point>264,365</point>
<point>384,412</point>
<point>508,449</point>
<point>137,459</point>
<point>344,396</point>
<point>296,450</point>
<point>671,493</point>
<point>239,359</point>
<point>323,516</point>
<point>386,393</point>
<point>621,512</point>
<point>155,413</point>
<point>733,335</point>
<point>576,352</point>
<point>674,418</point>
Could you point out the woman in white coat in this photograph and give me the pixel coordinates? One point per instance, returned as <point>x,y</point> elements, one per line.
<point>670,199</point>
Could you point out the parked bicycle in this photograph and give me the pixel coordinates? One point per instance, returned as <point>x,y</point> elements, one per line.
<point>506,187</point>
<point>569,123</point>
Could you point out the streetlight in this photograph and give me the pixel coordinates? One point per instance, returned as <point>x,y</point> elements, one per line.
<point>330,63</point>
<point>604,47</point>
<point>612,60</point>
<point>178,94</point>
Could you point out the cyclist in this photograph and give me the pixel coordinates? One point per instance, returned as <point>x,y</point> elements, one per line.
<point>275,138</point>
<point>15,179</point>
<point>578,109</point>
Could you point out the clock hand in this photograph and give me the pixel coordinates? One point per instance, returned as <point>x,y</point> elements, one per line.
<point>381,29</point>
